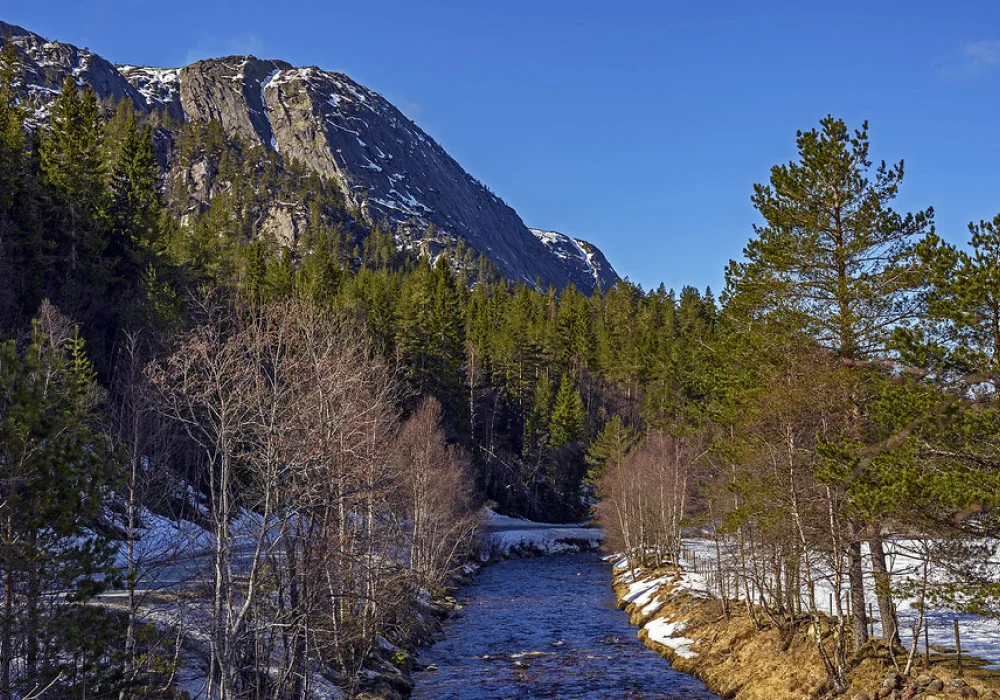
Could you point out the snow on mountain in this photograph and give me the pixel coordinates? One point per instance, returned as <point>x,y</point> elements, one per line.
<point>161,87</point>
<point>585,258</point>
<point>386,166</point>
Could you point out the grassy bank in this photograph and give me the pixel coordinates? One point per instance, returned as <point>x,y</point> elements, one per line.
<point>740,660</point>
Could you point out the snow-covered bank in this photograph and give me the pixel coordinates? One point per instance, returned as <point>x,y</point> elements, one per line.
<point>680,617</point>
<point>174,555</point>
<point>980,636</point>
<point>646,593</point>
<point>505,537</point>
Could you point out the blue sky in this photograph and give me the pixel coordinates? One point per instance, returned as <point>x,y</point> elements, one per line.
<point>640,126</point>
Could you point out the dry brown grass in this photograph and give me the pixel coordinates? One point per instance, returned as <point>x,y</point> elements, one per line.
<point>737,661</point>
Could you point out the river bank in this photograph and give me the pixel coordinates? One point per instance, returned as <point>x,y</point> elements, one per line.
<point>736,660</point>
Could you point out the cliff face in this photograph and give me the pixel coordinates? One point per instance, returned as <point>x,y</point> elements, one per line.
<point>385,165</point>
<point>583,259</point>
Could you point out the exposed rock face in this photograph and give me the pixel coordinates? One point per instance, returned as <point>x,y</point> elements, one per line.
<point>47,63</point>
<point>285,224</point>
<point>580,257</point>
<point>386,166</point>
<point>229,90</point>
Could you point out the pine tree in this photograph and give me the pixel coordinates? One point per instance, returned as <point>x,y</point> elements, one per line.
<point>954,460</point>
<point>962,306</point>
<point>21,245</point>
<point>568,422</point>
<point>279,280</point>
<point>832,249</point>
<point>116,131</point>
<point>447,338</point>
<point>136,207</point>
<point>254,271</point>
<point>320,273</point>
<point>73,163</point>
<point>57,472</point>
<point>609,448</point>
<point>537,422</point>
<point>430,336</point>
<point>414,336</point>
<point>13,139</point>
<point>620,337</point>
<point>574,343</point>
<point>833,254</point>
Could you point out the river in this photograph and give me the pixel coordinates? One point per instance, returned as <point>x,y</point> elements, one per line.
<point>546,627</point>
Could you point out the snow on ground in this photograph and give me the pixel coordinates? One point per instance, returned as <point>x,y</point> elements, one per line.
<point>652,607</point>
<point>506,536</point>
<point>980,635</point>
<point>174,553</point>
<point>166,552</point>
<point>668,634</point>
<point>642,591</point>
<point>645,590</point>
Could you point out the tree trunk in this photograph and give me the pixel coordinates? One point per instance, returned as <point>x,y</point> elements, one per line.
<point>883,591</point>
<point>793,591</point>
<point>34,599</point>
<point>855,578</point>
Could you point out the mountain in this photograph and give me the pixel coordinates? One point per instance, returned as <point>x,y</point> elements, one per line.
<point>580,257</point>
<point>385,165</point>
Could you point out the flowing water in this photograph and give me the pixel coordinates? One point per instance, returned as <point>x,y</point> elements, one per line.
<point>546,628</point>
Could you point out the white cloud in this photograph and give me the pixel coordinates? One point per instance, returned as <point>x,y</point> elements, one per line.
<point>973,59</point>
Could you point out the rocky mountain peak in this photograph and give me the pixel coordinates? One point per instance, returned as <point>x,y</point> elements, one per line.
<point>582,257</point>
<point>230,91</point>
<point>48,63</point>
<point>386,166</point>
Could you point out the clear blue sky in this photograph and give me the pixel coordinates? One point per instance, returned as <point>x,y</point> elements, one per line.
<point>640,126</point>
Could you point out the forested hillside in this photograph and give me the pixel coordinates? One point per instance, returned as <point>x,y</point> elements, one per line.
<point>329,411</point>
<point>385,167</point>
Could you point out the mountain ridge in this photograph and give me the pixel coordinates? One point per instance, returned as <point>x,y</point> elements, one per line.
<point>580,254</point>
<point>386,166</point>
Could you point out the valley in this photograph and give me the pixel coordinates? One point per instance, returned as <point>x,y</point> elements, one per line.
<point>294,407</point>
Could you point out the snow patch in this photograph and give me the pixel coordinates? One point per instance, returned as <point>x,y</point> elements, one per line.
<point>572,251</point>
<point>263,105</point>
<point>667,633</point>
<point>643,590</point>
<point>979,634</point>
<point>158,86</point>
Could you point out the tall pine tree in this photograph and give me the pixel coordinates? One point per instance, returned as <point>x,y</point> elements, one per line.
<point>835,255</point>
